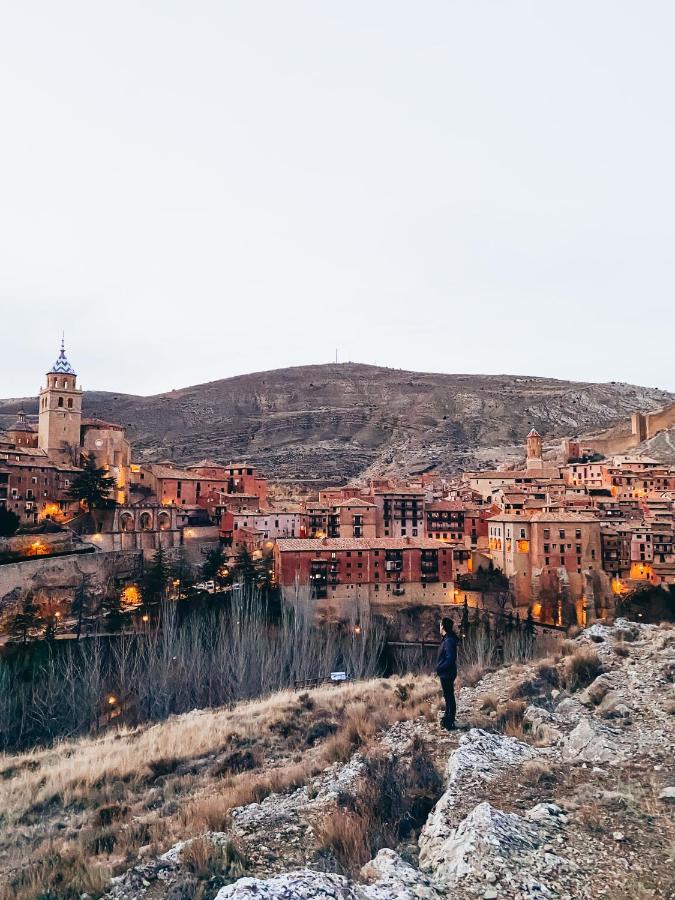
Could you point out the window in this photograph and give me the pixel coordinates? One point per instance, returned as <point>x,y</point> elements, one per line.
<point>60,401</point>
<point>70,402</point>
<point>562,533</point>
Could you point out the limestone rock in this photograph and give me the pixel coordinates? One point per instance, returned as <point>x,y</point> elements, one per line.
<point>570,710</point>
<point>541,724</point>
<point>387,875</point>
<point>596,690</point>
<point>612,707</point>
<point>302,885</point>
<point>667,795</point>
<point>480,757</point>
<point>589,743</point>
<point>485,831</point>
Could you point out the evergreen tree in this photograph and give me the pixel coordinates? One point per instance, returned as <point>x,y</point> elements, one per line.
<point>114,616</point>
<point>155,582</point>
<point>465,617</point>
<point>529,624</point>
<point>265,573</point>
<point>9,522</point>
<point>83,608</point>
<point>25,621</point>
<point>181,572</point>
<point>92,486</point>
<point>214,566</point>
<point>245,568</point>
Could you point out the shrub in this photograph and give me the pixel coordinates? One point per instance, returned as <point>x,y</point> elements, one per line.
<point>471,675</point>
<point>509,718</point>
<point>163,766</point>
<point>539,771</point>
<point>319,730</point>
<point>205,858</point>
<point>581,668</point>
<point>548,672</point>
<point>393,797</point>
<point>488,702</point>
<point>239,761</point>
<point>111,812</point>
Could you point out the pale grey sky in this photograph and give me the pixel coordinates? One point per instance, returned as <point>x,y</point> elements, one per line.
<point>194,190</point>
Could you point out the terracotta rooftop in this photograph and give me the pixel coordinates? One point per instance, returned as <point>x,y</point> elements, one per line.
<point>353,501</point>
<point>317,544</point>
<point>552,517</point>
<point>101,423</point>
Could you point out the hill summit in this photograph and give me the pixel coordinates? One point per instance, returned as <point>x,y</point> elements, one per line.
<point>328,423</point>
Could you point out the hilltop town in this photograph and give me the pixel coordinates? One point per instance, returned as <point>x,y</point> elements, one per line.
<point>561,535</point>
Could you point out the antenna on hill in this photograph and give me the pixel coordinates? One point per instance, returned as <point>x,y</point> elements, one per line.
<point>336,355</point>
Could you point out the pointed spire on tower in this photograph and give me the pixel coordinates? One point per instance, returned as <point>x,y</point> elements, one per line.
<point>62,366</point>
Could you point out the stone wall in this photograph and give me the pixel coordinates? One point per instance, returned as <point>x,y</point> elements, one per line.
<point>59,576</point>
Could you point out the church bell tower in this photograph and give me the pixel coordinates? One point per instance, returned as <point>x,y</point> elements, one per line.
<point>60,413</point>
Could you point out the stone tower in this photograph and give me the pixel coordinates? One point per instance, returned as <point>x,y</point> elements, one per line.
<point>534,450</point>
<point>60,413</point>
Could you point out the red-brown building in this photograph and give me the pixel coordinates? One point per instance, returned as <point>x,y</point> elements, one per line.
<point>380,570</point>
<point>32,485</point>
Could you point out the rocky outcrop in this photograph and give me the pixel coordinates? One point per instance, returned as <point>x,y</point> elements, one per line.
<point>480,757</point>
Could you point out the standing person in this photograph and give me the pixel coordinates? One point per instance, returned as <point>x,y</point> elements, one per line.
<point>446,669</point>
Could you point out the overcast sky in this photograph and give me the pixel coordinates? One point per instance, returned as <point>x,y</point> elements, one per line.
<point>194,190</point>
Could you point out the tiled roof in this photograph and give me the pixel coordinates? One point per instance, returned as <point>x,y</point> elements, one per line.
<point>316,544</point>
<point>62,366</point>
<point>551,517</point>
<point>101,423</point>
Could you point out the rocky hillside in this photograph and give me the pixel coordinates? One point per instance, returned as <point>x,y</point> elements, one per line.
<point>333,422</point>
<point>561,784</point>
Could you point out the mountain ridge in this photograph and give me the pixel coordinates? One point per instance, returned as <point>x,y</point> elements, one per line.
<point>329,422</point>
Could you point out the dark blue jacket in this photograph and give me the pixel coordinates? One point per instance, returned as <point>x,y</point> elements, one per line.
<point>446,664</point>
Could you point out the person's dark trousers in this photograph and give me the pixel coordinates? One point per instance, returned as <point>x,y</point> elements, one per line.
<point>448,685</point>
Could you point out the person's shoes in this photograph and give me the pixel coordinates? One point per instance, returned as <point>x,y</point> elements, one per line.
<point>449,726</point>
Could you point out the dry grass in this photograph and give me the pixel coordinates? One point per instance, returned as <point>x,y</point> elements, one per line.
<point>488,702</point>
<point>509,719</point>
<point>57,871</point>
<point>471,675</point>
<point>581,668</point>
<point>535,772</point>
<point>71,769</point>
<point>180,778</point>
<point>204,858</point>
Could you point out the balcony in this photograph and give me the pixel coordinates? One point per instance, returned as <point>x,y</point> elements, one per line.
<point>428,577</point>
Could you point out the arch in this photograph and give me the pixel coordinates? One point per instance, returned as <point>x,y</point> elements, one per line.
<point>126,522</point>
<point>60,401</point>
<point>145,521</point>
<point>164,521</point>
